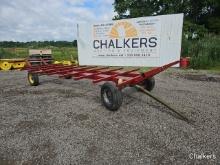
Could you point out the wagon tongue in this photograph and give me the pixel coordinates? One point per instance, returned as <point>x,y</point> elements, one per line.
<point>178,114</point>
<point>157,70</point>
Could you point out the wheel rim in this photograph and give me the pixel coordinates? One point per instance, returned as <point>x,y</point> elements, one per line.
<point>6,66</point>
<point>107,95</point>
<point>30,77</point>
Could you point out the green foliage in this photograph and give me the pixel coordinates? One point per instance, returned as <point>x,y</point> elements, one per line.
<point>197,12</point>
<point>204,53</point>
<point>61,50</point>
<point>37,44</point>
<point>5,54</point>
<point>193,31</point>
<point>63,53</point>
<point>136,8</point>
<point>213,24</point>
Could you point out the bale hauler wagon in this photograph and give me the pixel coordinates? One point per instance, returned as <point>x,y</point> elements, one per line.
<point>115,78</point>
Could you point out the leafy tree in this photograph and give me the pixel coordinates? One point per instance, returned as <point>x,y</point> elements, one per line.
<point>201,12</point>
<point>37,44</point>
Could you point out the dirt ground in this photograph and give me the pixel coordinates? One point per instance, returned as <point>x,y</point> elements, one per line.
<point>63,122</point>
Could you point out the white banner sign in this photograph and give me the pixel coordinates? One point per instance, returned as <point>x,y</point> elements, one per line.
<point>145,41</point>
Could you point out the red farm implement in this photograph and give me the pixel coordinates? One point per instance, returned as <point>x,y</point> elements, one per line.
<point>114,78</point>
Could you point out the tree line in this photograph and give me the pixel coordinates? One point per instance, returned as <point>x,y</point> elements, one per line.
<point>37,44</point>
<point>200,15</point>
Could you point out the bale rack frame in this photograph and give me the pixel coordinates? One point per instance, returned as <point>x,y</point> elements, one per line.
<point>114,79</point>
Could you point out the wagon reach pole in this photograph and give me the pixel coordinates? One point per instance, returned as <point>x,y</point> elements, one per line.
<point>182,117</point>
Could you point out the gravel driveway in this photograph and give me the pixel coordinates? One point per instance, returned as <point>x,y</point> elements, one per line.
<point>63,122</point>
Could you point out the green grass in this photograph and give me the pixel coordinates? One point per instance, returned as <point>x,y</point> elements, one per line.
<point>215,69</point>
<point>204,53</point>
<point>64,53</point>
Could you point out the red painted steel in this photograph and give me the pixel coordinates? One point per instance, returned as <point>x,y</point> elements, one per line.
<point>148,74</point>
<point>91,75</point>
<point>184,62</point>
<point>121,77</point>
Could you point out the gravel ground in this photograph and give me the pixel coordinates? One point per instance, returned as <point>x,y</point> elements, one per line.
<point>63,122</point>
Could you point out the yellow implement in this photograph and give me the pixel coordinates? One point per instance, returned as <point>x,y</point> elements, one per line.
<point>7,64</point>
<point>66,62</point>
<point>57,62</point>
<point>19,63</point>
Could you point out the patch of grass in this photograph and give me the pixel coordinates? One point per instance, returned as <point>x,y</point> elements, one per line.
<point>215,69</point>
<point>204,53</point>
<point>64,53</point>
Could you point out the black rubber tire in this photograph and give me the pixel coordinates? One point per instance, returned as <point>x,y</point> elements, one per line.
<point>68,77</point>
<point>33,79</point>
<point>111,96</point>
<point>148,83</point>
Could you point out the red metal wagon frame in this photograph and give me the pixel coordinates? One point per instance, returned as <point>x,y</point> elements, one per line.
<point>115,78</point>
